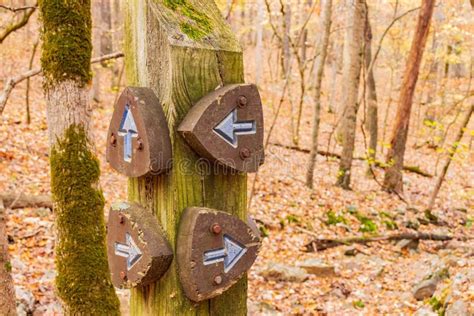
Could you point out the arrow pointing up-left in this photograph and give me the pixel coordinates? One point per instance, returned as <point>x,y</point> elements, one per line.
<point>127,129</point>
<point>128,250</point>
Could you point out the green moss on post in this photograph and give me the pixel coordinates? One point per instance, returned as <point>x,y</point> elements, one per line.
<point>182,64</point>
<point>66,39</point>
<point>194,23</point>
<point>83,280</point>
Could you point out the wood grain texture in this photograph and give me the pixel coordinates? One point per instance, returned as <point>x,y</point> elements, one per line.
<point>182,70</point>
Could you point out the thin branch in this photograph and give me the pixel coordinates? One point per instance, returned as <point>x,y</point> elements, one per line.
<point>229,11</point>
<point>13,9</point>
<point>412,169</point>
<point>379,46</point>
<point>16,26</point>
<point>320,244</point>
<point>13,81</point>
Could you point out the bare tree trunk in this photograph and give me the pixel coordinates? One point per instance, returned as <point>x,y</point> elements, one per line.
<point>371,97</point>
<point>97,49</point>
<point>102,41</point>
<point>285,57</point>
<point>393,174</point>
<point>105,24</point>
<point>7,291</point>
<point>324,42</point>
<point>259,42</point>
<point>351,75</point>
<point>335,60</point>
<point>306,5</point>
<point>27,94</point>
<point>452,152</point>
<point>117,39</point>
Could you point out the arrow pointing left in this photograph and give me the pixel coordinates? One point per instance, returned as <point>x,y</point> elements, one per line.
<point>230,254</point>
<point>128,250</point>
<point>230,128</point>
<point>127,129</point>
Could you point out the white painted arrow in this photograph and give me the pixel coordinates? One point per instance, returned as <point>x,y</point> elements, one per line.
<point>128,250</point>
<point>127,129</point>
<point>229,128</point>
<point>230,254</point>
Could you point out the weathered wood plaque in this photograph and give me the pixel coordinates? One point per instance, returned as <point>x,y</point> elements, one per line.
<point>227,126</point>
<point>137,250</point>
<point>138,136</point>
<point>214,250</point>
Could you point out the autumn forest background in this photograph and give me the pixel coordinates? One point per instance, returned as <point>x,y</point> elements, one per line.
<point>347,62</point>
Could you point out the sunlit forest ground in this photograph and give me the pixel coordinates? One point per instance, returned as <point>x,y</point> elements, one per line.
<point>376,278</point>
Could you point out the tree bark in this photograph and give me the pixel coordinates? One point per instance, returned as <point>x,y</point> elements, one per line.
<point>182,65</point>
<point>393,174</point>
<point>102,35</point>
<point>371,97</point>
<point>351,74</point>
<point>452,152</point>
<point>285,56</point>
<point>259,41</point>
<point>83,278</point>
<point>335,60</point>
<point>97,51</point>
<point>7,291</point>
<point>27,94</point>
<point>326,28</point>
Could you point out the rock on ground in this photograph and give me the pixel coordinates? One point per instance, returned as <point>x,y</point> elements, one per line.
<point>318,268</point>
<point>425,289</point>
<point>283,272</point>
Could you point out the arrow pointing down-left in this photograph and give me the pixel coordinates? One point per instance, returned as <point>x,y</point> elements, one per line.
<point>127,129</point>
<point>128,250</point>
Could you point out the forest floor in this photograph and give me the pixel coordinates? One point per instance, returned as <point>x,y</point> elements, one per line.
<point>377,278</point>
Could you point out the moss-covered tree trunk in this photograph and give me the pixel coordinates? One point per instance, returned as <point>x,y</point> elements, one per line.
<point>183,49</point>
<point>83,281</point>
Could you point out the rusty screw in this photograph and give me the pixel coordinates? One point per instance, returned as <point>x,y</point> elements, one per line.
<point>216,228</point>
<point>113,140</point>
<point>123,275</point>
<point>242,101</point>
<point>244,153</point>
<point>218,280</point>
<point>139,144</point>
<point>121,219</point>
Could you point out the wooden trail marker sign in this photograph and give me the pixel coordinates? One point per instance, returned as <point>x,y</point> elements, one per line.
<point>227,126</point>
<point>139,141</point>
<point>214,250</point>
<point>137,250</point>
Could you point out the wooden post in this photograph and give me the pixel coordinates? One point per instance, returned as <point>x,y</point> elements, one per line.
<point>183,50</point>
